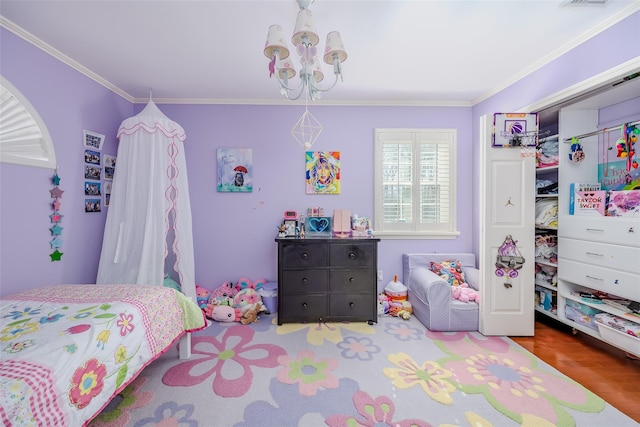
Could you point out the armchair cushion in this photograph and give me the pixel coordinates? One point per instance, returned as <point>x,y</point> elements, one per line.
<point>431,296</point>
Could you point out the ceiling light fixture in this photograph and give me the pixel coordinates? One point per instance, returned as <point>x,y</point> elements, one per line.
<point>305,38</point>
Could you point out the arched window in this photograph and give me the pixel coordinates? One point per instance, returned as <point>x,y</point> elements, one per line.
<point>24,138</point>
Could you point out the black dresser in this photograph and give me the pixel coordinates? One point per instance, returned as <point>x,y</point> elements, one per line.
<point>327,279</point>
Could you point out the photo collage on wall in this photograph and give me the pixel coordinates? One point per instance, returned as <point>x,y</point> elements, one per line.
<point>98,172</point>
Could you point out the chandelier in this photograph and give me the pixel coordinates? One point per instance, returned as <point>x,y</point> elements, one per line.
<point>305,38</point>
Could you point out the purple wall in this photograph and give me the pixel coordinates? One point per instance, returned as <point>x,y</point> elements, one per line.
<point>68,102</point>
<point>234,233</point>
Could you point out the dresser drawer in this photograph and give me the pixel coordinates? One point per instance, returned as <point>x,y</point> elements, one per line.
<point>608,280</point>
<point>616,230</point>
<point>304,282</point>
<point>616,257</point>
<point>302,308</point>
<point>361,254</point>
<point>358,306</point>
<point>352,281</point>
<point>300,255</point>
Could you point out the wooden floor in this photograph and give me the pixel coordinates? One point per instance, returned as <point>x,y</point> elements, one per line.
<point>603,369</point>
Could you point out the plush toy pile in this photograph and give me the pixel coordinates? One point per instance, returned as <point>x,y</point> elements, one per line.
<point>393,301</point>
<point>239,302</point>
<point>451,271</point>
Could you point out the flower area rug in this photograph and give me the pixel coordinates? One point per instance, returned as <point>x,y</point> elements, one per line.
<point>394,373</point>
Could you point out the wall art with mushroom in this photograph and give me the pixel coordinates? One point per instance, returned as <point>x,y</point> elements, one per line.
<point>235,170</point>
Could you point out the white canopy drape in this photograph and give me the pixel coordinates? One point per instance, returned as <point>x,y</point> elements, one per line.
<point>149,214</point>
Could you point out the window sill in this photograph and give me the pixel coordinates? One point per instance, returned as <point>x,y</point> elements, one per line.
<point>415,235</point>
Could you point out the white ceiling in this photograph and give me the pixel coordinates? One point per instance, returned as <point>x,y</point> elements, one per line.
<point>420,52</point>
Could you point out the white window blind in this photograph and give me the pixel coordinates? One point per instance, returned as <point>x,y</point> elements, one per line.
<point>24,139</point>
<point>415,183</point>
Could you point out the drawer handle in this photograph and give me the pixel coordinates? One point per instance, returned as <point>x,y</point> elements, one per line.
<point>593,278</point>
<point>351,280</point>
<point>305,255</point>
<point>351,304</point>
<point>304,305</point>
<point>352,255</point>
<point>595,229</point>
<point>631,230</point>
<point>305,280</point>
<point>594,254</point>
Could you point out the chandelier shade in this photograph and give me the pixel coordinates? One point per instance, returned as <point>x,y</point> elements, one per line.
<point>286,70</point>
<point>276,43</point>
<point>305,28</point>
<point>334,48</point>
<point>304,38</point>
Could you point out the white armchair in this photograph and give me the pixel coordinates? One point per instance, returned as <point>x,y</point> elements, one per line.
<point>431,296</point>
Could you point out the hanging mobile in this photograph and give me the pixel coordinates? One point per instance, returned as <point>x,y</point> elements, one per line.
<point>576,154</point>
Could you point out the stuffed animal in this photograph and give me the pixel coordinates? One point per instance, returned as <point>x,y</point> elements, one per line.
<point>396,290</point>
<point>246,298</point>
<point>464,293</point>
<point>202,296</point>
<point>222,313</point>
<point>244,283</point>
<point>251,315</point>
<point>383,303</point>
<point>224,294</point>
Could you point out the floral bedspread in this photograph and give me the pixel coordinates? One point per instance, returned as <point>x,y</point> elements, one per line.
<point>67,350</point>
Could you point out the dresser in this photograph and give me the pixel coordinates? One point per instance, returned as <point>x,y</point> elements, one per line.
<point>327,279</point>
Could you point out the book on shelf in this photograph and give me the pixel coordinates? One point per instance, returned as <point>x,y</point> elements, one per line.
<point>586,199</point>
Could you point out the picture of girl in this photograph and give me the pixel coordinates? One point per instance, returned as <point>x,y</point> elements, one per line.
<point>323,172</point>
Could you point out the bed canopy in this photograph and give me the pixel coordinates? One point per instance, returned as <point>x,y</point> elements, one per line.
<point>148,232</point>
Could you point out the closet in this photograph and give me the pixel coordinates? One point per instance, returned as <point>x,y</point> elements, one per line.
<point>598,257</point>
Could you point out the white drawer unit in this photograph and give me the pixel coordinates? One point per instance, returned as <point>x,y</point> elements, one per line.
<point>617,257</point>
<point>618,231</point>
<point>608,280</point>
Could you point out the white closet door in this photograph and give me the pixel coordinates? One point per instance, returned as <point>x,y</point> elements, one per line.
<point>507,208</point>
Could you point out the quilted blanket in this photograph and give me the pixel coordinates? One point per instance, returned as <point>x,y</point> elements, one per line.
<point>67,350</point>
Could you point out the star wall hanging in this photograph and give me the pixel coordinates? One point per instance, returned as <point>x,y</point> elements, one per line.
<point>56,219</point>
<point>56,255</point>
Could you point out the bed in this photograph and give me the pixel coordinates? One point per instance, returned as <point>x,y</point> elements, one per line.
<point>67,350</point>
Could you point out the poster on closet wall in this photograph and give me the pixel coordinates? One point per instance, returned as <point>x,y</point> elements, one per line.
<point>617,161</point>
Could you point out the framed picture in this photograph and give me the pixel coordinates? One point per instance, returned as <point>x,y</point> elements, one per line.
<point>235,170</point>
<point>109,166</point>
<point>93,139</point>
<point>92,188</point>
<point>92,172</point>
<point>92,157</point>
<point>92,205</point>
<point>322,174</point>
<point>515,130</point>
<point>290,226</point>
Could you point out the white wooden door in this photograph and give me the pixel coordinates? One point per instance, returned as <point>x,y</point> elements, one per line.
<point>507,208</point>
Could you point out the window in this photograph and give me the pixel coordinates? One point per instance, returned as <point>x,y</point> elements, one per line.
<point>24,138</point>
<point>415,183</point>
